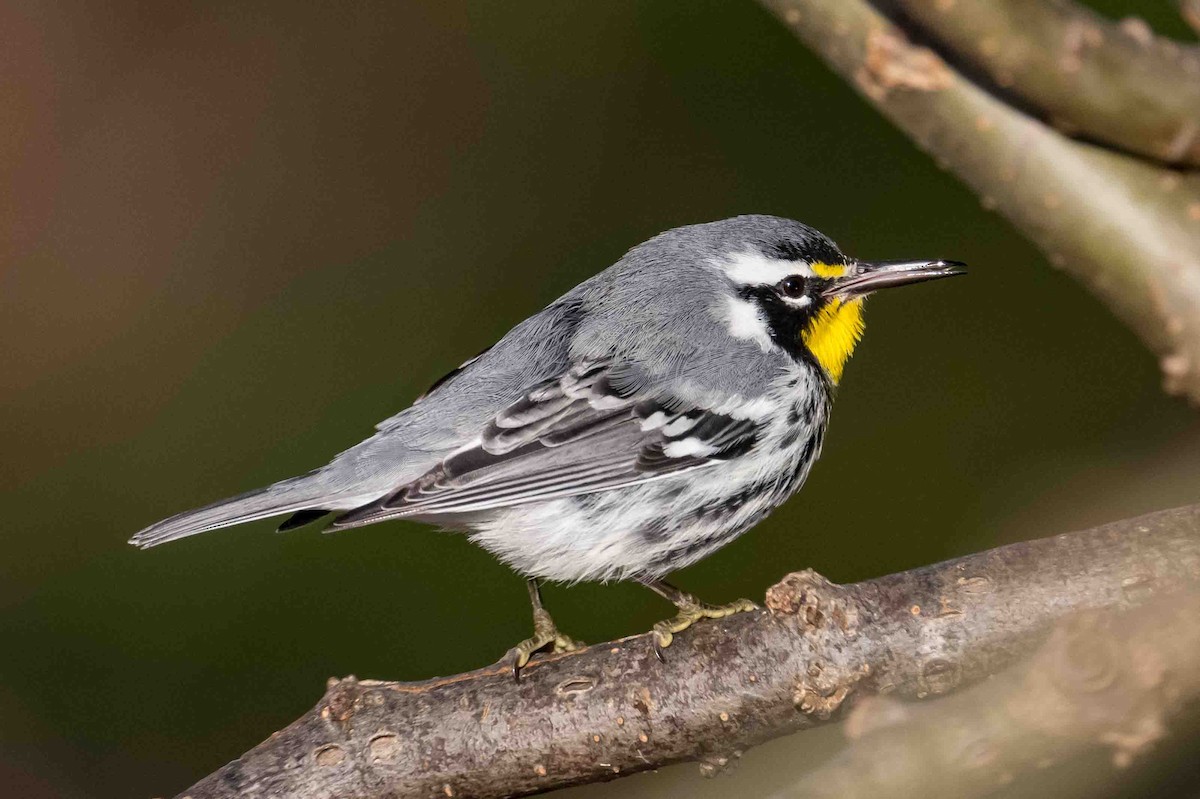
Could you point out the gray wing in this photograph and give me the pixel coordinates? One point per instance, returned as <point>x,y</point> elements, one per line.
<point>590,429</point>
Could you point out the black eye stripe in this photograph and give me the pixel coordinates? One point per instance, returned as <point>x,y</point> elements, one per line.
<point>785,320</point>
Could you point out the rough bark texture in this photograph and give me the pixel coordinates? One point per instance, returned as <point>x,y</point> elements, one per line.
<point>815,651</point>
<point>1112,681</point>
<point>1113,83</point>
<point>972,88</point>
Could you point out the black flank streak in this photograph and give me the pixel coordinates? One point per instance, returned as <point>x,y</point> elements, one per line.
<point>809,448</point>
<point>796,414</point>
<point>790,437</point>
<point>774,489</point>
<point>655,530</point>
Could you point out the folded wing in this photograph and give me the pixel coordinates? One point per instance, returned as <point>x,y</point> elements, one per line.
<point>584,431</point>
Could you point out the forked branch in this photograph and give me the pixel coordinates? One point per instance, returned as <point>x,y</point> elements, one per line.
<point>1114,83</point>
<point>1111,194</point>
<point>816,651</point>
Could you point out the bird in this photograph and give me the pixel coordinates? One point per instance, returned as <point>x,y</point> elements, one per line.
<point>634,426</point>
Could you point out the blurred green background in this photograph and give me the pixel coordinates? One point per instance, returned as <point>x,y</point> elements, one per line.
<point>235,236</point>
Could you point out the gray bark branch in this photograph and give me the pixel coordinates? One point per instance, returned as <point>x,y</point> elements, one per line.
<point>1118,84</point>
<point>1113,682</point>
<point>1127,227</point>
<point>814,652</point>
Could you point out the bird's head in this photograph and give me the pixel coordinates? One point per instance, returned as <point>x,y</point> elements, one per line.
<point>791,287</point>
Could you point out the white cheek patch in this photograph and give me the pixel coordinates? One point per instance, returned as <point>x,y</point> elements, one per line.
<point>746,322</point>
<point>755,269</point>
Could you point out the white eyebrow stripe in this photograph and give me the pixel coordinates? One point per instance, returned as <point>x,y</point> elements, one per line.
<point>755,269</point>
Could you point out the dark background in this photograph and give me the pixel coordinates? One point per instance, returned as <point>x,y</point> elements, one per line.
<point>233,238</point>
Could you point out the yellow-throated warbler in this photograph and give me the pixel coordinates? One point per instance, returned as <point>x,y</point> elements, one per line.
<point>640,422</point>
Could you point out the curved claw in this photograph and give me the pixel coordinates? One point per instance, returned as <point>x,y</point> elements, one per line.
<point>519,659</point>
<point>523,651</point>
<point>545,633</point>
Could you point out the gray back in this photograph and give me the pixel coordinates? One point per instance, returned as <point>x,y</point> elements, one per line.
<point>656,314</point>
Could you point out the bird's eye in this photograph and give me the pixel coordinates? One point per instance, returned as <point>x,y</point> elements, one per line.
<point>792,286</point>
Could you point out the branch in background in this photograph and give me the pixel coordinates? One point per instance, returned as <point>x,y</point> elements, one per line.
<point>1190,11</point>
<point>1127,228</point>
<point>613,709</point>
<point>1115,84</point>
<point>1101,681</point>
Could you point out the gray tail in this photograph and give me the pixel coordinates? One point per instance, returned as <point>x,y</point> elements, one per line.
<point>287,496</point>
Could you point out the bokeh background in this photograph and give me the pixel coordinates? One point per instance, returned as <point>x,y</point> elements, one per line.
<point>234,236</point>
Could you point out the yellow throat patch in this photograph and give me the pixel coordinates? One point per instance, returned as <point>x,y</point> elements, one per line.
<point>832,334</point>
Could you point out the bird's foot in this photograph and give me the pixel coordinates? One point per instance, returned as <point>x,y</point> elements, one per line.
<point>545,633</point>
<point>691,611</point>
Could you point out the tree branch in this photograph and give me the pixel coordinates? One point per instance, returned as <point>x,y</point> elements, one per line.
<point>1114,83</point>
<point>1190,11</point>
<point>1128,229</point>
<point>612,709</point>
<point>1109,681</point>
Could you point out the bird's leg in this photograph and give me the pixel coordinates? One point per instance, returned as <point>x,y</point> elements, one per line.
<point>691,610</point>
<point>545,632</point>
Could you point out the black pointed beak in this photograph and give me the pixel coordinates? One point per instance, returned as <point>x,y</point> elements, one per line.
<point>869,277</point>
